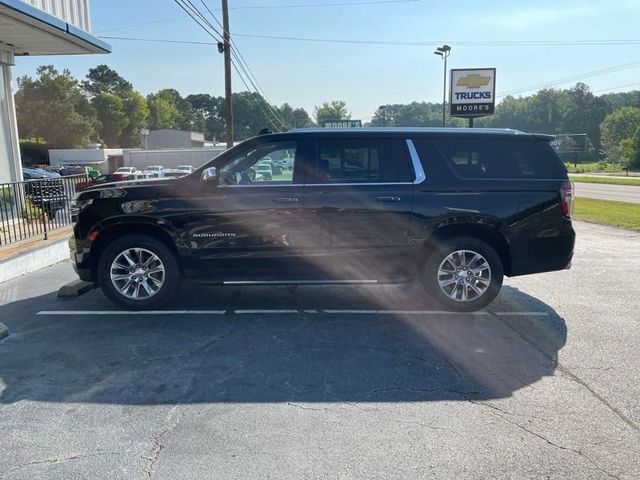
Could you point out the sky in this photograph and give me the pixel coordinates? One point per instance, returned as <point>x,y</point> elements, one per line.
<point>365,76</point>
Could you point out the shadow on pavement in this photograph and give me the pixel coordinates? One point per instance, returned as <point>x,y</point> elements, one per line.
<point>275,357</point>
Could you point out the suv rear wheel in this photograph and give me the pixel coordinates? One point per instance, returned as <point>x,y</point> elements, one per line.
<point>463,274</point>
<point>138,272</point>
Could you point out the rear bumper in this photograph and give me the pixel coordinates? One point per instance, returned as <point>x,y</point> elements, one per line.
<point>540,267</point>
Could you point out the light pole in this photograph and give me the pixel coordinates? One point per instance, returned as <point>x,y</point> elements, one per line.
<point>444,51</point>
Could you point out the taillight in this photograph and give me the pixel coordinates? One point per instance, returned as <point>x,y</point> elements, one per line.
<point>566,198</point>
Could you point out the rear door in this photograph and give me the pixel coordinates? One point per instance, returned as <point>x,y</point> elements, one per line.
<point>359,203</point>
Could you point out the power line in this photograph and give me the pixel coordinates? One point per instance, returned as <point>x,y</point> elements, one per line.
<point>309,5</point>
<point>197,16</point>
<point>235,51</point>
<point>636,84</point>
<point>251,7</point>
<point>158,40</point>
<point>449,42</point>
<point>568,43</point>
<point>582,76</point>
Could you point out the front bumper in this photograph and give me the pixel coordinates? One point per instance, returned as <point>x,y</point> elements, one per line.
<point>80,260</point>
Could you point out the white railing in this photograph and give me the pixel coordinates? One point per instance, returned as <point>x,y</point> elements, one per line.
<point>75,12</point>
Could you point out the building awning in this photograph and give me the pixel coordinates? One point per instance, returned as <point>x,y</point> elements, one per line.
<point>30,31</point>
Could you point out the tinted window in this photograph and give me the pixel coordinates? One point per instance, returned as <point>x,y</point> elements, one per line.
<point>266,163</point>
<point>361,161</point>
<point>480,158</point>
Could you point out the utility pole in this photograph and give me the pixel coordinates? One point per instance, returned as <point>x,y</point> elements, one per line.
<point>227,73</point>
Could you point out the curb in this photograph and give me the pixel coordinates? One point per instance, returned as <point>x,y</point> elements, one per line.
<point>75,288</point>
<point>33,260</point>
<point>4,331</point>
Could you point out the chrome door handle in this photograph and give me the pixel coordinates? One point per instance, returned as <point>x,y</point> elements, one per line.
<point>286,200</point>
<point>387,199</point>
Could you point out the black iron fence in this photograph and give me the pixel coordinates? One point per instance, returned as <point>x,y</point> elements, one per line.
<point>34,208</point>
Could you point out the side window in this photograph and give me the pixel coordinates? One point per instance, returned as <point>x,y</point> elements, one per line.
<point>481,158</point>
<point>271,163</point>
<point>361,161</point>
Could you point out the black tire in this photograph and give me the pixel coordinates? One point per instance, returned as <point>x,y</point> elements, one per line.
<point>430,275</point>
<point>171,279</point>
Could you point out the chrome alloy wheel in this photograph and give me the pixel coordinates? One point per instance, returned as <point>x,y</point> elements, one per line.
<point>464,275</point>
<point>137,273</point>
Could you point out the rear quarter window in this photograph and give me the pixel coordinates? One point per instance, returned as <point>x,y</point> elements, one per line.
<point>503,159</point>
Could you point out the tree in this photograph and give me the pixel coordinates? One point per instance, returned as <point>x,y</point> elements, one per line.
<point>136,110</point>
<point>630,151</point>
<point>53,107</point>
<point>334,110</point>
<point>617,126</point>
<point>103,79</point>
<point>113,119</point>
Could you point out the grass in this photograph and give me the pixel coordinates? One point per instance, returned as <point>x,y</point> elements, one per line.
<point>602,167</point>
<point>606,212</point>
<point>608,180</point>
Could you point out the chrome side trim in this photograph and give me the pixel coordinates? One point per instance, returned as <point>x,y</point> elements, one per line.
<point>300,282</point>
<point>380,184</point>
<point>417,165</point>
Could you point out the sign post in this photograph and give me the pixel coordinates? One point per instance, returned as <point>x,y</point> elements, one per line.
<point>472,93</point>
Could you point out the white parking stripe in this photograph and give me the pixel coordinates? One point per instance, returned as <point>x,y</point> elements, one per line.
<point>266,311</point>
<point>527,314</point>
<point>283,311</point>
<point>132,312</point>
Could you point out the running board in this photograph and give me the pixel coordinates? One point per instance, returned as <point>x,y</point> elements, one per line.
<point>301,282</point>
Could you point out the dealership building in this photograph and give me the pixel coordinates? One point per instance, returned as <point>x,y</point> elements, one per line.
<point>36,27</point>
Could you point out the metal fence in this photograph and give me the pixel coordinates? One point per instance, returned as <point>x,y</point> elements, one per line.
<point>34,208</point>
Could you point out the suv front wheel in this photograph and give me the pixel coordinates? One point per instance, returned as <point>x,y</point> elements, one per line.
<point>463,274</point>
<point>138,272</point>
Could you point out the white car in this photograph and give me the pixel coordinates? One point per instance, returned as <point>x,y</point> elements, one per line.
<point>187,169</point>
<point>153,171</point>
<point>126,171</point>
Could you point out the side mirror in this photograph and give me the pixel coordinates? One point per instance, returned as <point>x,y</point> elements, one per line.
<point>210,176</point>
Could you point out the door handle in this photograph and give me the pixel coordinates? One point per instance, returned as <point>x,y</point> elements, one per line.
<point>387,199</point>
<point>286,200</point>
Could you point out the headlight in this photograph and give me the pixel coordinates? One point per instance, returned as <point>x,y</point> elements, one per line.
<point>77,205</point>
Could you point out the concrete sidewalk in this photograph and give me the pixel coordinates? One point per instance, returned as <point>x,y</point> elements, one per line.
<point>34,254</point>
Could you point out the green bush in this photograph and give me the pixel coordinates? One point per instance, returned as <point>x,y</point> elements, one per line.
<point>31,211</point>
<point>5,194</point>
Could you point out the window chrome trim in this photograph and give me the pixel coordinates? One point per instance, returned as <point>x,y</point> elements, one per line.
<point>417,165</point>
<point>360,184</point>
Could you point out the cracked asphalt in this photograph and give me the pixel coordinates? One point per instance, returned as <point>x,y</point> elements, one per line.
<point>329,382</point>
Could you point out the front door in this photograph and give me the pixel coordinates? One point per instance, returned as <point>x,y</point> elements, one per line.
<point>250,226</point>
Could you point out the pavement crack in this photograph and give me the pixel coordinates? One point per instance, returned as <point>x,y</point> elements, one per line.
<point>571,376</point>
<point>297,405</point>
<point>542,437</point>
<point>69,458</point>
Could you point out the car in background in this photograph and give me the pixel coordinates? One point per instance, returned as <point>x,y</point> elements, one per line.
<point>265,170</point>
<point>126,172</point>
<point>187,169</point>
<point>153,171</point>
<point>99,181</point>
<point>45,190</point>
<point>173,173</point>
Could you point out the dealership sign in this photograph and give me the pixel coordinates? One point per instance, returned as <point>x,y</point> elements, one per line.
<point>341,123</point>
<point>473,92</point>
<point>570,142</point>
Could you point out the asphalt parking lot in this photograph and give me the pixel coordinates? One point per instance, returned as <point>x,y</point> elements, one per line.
<point>329,382</point>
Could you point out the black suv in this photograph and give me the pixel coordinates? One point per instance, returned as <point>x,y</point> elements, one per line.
<point>452,210</point>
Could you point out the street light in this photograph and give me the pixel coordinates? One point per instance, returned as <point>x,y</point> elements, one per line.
<point>443,52</point>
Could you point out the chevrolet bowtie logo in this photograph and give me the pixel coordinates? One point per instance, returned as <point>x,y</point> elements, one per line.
<point>473,80</point>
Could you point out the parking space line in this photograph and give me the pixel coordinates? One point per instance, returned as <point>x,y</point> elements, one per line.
<point>527,314</point>
<point>266,311</point>
<point>285,311</point>
<point>132,312</point>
